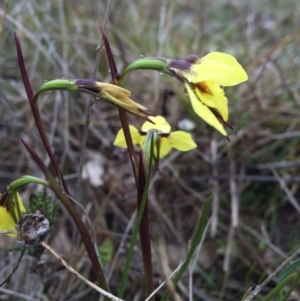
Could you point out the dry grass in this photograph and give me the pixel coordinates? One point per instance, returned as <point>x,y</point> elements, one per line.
<point>258,218</point>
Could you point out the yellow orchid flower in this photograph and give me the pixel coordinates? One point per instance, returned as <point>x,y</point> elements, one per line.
<point>115,94</point>
<point>179,140</point>
<point>204,80</point>
<point>7,221</point>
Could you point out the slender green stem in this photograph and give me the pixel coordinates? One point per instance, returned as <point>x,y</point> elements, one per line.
<point>144,229</point>
<point>17,184</point>
<point>136,229</point>
<point>151,63</point>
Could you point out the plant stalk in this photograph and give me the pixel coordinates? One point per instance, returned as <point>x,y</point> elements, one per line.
<point>86,238</point>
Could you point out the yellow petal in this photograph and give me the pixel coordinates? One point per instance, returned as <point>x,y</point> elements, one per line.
<point>6,220</point>
<point>204,112</point>
<point>126,103</point>
<point>113,90</point>
<point>213,96</point>
<point>165,147</point>
<point>117,95</point>
<point>160,124</point>
<point>120,138</point>
<point>182,141</point>
<point>218,66</point>
<point>17,198</point>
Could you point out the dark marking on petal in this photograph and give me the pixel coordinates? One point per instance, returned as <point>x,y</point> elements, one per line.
<point>192,59</point>
<point>142,133</point>
<point>178,76</point>
<point>220,118</point>
<point>229,124</point>
<point>146,112</point>
<point>3,198</point>
<point>180,65</point>
<point>88,84</point>
<point>203,88</point>
<point>165,135</point>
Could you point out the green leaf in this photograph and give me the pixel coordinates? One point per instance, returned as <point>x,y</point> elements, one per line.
<point>149,144</point>
<point>194,243</point>
<point>137,225</point>
<point>288,270</point>
<point>105,251</point>
<point>292,287</point>
<point>279,287</point>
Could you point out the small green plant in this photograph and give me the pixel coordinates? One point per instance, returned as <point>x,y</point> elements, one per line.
<point>39,201</point>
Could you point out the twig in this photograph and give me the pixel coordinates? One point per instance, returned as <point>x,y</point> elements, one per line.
<point>226,264</point>
<point>91,102</point>
<point>65,72</point>
<point>163,283</point>
<point>227,258</point>
<point>268,242</point>
<point>196,256</point>
<point>163,262</point>
<point>90,224</point>
<point>215,192</point>
<point>92,285</point>
<point>15,267</point>
<point>178,268</point>
<point>281,164</point>
<point>284,187</point>
<point>241,177</point>
<point>8,232</point>
<point>272,275</point>
<point>121,245</point>
<point>17,295</point>
<point>233,193</point>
